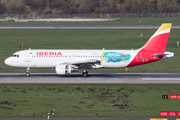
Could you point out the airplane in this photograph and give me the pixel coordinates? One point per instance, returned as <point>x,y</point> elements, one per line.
<point>68,61</point>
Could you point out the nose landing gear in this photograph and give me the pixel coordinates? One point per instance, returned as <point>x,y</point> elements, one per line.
<point>28,72</point>
<point>85,73</point>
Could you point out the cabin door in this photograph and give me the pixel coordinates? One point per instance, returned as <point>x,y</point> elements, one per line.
<point>27,56</point>
<point>139,57</point>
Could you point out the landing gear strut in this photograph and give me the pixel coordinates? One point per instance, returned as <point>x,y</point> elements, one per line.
<point>85,73</point>
<point>28,72</point>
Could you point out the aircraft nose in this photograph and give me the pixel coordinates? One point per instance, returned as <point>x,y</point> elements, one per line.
<point>7,61</point>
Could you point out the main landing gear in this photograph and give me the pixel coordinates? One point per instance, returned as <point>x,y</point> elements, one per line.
<point>85,73</point>
<point>28,72</point>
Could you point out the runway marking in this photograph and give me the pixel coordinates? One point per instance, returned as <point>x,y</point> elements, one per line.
<point>160,78</point>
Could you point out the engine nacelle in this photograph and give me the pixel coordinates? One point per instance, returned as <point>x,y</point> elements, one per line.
<point>65,69</point>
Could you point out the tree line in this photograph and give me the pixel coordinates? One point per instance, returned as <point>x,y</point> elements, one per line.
<point>88,6</point>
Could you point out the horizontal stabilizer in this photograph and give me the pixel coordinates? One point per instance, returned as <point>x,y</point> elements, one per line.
<point>159,55</point>
<point>166,55</point>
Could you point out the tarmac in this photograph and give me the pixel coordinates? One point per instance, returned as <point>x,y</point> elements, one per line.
<point>93,78</point>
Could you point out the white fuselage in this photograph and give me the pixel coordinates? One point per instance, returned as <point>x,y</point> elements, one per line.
<point>51,58</point>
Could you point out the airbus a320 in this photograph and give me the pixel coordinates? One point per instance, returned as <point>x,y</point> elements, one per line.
<point>68,61</point>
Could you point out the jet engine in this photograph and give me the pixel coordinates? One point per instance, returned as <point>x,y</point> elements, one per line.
<point>65,69</point>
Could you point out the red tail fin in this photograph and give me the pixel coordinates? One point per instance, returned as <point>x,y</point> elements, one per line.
<point>159,40</point>
<point>155,47</point>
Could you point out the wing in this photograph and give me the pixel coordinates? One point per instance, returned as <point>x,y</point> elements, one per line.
<point>86,64</point>
<point>90,61</point>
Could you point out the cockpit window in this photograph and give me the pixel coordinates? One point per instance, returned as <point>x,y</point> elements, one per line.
<point>15,55</point>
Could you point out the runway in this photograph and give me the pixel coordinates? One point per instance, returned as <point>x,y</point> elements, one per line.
<point>86,27</point>
<point>93,78</point>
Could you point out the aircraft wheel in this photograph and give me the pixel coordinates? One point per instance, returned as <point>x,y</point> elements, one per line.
<point>27,74</point>
<point>85,73</point>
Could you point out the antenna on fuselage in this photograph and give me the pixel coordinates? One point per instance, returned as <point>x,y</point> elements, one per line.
<point>103,48</point>
<point>29,48</point>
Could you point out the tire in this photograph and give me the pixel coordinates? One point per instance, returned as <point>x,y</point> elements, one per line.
<point>85,74</point>
<point>27,74</point>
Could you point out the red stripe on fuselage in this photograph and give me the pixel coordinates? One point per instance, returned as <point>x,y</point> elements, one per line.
<point>155,45</point>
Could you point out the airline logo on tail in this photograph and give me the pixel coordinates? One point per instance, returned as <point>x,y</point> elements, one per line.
<point>159,40</point>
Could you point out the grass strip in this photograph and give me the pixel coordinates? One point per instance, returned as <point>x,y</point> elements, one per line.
<point>87,100</point>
